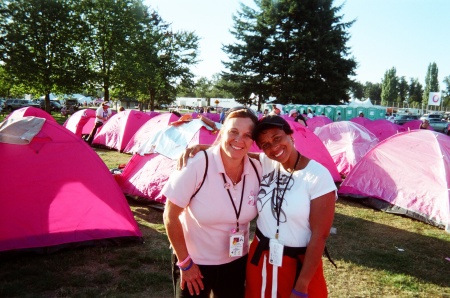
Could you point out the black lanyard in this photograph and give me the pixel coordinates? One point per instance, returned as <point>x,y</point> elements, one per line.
<point>278,208</point>
<point>237,212</point>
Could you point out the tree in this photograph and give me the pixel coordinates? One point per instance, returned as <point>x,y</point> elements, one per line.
<point>446,102</point>
<point>431,82</point>
<point>248,61</point>
<point>389,92</point>
<point>158,61</point>
<point>415,92</point>
<point>402,90</point>
<point>357,90</point>
<point>40,45</point>
<point>109,27</point>
<point>372,91</point>
<point>294,50</point>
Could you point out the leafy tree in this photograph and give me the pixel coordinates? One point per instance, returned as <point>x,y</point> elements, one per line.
<point>39,46</point>
<point>446,102</point>
<point>431,82</point>
<point>219,87</point>
<point>109,26</point>
<point>158,61</point>
<point>294,50</point>
<point>415,92</point>
<point>372,91</point>
<point>402,91</point>
<point>357,90</point>
<point>389,92</point>
<point>203,88</point>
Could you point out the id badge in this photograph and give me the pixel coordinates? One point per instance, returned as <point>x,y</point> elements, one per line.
<point>275,252</point>
<point>236,244</point>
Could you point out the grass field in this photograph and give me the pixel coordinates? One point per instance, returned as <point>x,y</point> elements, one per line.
<point>377,254</point>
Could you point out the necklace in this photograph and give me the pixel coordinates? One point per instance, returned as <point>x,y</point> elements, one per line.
<point>237,176</point>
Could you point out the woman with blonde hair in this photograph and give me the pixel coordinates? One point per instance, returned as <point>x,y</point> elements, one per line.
<point>209,206</point>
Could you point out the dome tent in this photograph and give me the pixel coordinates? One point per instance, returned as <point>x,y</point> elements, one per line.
<point>419,190</point>
<point>60,193</point>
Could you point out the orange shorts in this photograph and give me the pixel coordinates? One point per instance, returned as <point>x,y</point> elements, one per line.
<point>259,278</point>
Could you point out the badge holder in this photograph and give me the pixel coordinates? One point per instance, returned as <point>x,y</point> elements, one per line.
<point>275,252</point>
<point>236,243</point>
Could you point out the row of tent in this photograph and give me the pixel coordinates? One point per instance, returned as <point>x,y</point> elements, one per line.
<point>405,168</point>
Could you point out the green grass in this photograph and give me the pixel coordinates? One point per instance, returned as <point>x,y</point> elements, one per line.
<point>365,249</point>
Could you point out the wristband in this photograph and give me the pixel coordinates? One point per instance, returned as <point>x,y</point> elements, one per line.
<point>299,294</point>
<point>184,262</point>
<point>189,267</point>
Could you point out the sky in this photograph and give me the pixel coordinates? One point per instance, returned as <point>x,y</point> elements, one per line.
<point>405,34</point>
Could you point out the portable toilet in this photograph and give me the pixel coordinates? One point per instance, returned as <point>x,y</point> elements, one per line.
<point>320,109</point>
<point>330,112</point>
<point>372,113</point>
<point>339,109</point>
<point>303,109</point>
<point>381,112</point>
<point>361,110</point>
<point>349,113</point>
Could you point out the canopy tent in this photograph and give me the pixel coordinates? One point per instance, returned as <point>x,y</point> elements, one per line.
<point>59,193</point>
<point>410,173</point>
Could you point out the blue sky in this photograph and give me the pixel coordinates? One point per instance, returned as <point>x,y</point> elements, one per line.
<point>405,34</point>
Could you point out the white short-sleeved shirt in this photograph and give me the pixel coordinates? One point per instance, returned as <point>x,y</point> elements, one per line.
<point>209,216</point>
<point>102,113</point>
<point>305,185</point>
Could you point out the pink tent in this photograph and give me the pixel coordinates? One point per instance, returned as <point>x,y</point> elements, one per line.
<point>119,129</point>
<point>144,176</point>
<point>58,192</point>
<point>77,122</point>
<point>411,172</point>
<point>212,116</point>
<point>384,129</point>
<point>31,111</point>
<point>317,121</point>
<point>152,113</point>
<point>363,121</point>
<point>308,144</point>
<point>347,143</point>
<point>149,129</point>
<point>414,124</point>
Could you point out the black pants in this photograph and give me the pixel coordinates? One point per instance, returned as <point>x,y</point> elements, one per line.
<point>93,132</point>
<point>223,281</point>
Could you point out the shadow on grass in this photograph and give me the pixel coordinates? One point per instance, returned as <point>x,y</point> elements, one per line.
<point>383,247</point>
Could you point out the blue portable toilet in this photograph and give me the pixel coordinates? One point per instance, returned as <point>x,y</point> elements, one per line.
<point>349,113</point>
<point>339,109</point>
<point>372,113</point>
<point>330,112</point>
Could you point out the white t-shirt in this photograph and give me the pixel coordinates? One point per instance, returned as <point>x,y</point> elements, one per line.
<point>209,216</point>
<point>102,113</point>
<point>305,185</point>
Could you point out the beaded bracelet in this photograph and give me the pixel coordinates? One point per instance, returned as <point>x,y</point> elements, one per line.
<point>299,294</point>
<point>189,267</point>
<point>184,262</point>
